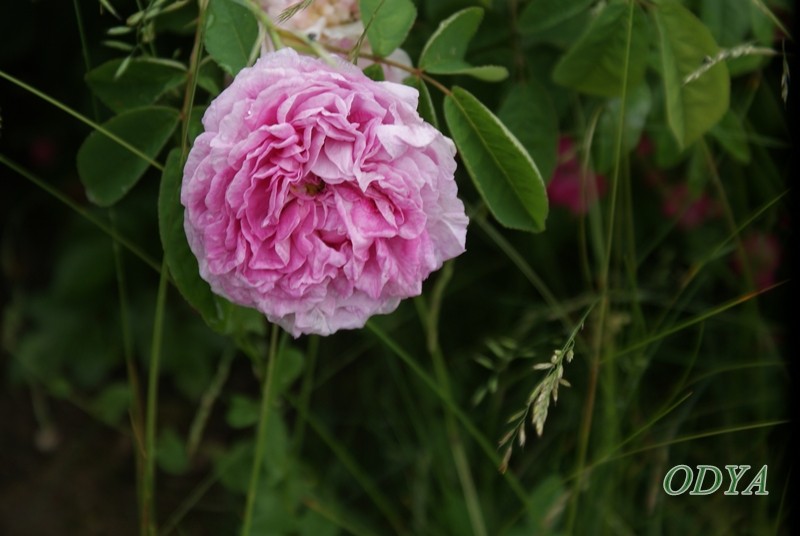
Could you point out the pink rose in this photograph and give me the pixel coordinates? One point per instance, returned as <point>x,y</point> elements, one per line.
<point>318,196</point>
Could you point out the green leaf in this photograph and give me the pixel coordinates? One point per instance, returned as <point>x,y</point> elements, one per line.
<point>171,453</point>
<point>762,25</point>
<point>276,450</point>
<point>242,412</point>
<point>375,72</point>
<point>425,105</point>
<point>107,170</point>
<point>697,171</point>
<point>387,22</point>
<point>107,5</point>
<point>502,170</point>
<point>181,261</point>
<point>543,502</point>
<point>637,109</point>
<point>542,15</point>
<point>488,73</point>
<point>730,134</point>
<point>230,34</point>
<point>211,77</point>
<point>288,367</point>
<point>112,403</point>
<point>271,514</point>
<point>529,114</point>
<point>314,524</point>
<point>685,43</point>
<point>444,52</point>
<point>141,84</point>
<point>596,64</point>
<point>563,35</point>
<point>221,315</point>
<point>729,22</point>
<point>667,154</point>
<point>448,44</point>
<point>194,124</point>
<point>234,464</point>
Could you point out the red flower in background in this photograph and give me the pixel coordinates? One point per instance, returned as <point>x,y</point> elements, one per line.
<point>43,151</point>
<point>763,255</point>
<point>690,212</point>
<point>570,188</point>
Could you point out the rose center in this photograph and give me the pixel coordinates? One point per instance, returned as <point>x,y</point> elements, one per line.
<point>309,187</point>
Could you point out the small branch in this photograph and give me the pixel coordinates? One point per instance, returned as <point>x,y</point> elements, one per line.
<point>261,437</point>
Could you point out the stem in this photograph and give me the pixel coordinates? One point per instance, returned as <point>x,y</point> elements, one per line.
<point>269,26</point>
<point>351,465</point>
<point>412,71</point>
<point>191,82</point>
<point>207,403</point>
<point>489,450</point>
<point>84,50</point>
<point>195,496</point>
<point>525,268</point>
<point>148,525</point>
<point>603,288</point>
<point>135,409</point>
<point>130,246</point>
<point>261,438</point>
<point>431,323</point>
<point>82,118</point>
<point>305,390</point>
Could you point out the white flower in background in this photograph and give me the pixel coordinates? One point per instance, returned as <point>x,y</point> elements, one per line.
<point>336,23</point>
<point>330,21</point>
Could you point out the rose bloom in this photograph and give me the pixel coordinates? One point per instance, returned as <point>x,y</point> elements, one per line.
<point>318,196</point>
<point>336,23</point>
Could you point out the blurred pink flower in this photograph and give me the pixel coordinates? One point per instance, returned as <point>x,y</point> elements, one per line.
<point>691,213</point>
<point>43,151</point>
<point>337,23</point>
<point>763,254</point>
<point>568,187</point>
<point>318,17</point>
<point>645,147</point>
<point>319,196</point>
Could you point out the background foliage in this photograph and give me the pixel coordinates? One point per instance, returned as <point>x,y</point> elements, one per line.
<point>659,131</point>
